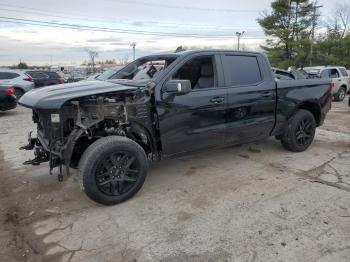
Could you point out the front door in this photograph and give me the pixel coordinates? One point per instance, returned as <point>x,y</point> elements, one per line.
<point>195,120</point>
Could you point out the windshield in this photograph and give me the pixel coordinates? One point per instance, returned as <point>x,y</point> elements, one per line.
<point>109,73</point>
<point>144,69</point>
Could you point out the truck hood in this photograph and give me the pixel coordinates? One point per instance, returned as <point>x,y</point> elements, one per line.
<point>53,97</point>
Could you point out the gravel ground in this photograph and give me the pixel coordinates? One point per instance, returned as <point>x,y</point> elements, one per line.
<point>255,202</point>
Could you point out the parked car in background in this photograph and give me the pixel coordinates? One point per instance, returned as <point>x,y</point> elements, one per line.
<point>45,78</point>
<point>339,76</point>
<point>74,77</point>
<point>20,81</point>
<point>8,99</point>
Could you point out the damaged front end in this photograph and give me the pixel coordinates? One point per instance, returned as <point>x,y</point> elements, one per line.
<point>63,135</point>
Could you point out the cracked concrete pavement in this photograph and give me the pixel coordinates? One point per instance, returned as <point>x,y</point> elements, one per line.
<point>255,202</point>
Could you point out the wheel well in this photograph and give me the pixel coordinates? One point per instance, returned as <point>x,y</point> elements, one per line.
<point>138,134</point>
<point>19,88</point>
<point>345,87</point>
<point>314,109</point>
<point>79,148</point>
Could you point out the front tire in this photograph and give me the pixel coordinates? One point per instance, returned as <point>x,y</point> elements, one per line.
<point>112,170</point>
<point>300,132</point>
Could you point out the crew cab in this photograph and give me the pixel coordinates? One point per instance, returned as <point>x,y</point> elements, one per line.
<point>166,105</point>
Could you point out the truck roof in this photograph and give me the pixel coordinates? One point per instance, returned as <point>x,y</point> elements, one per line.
<point>189,52</point>
<point>322,67</point>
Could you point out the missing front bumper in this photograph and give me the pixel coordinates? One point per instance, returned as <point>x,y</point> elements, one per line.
<point>42,154</point>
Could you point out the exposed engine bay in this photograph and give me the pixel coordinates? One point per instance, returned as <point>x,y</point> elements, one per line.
<point>63,136</point>
<point>72,117</point>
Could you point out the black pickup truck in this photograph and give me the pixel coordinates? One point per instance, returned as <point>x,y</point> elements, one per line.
<point>166,105</point>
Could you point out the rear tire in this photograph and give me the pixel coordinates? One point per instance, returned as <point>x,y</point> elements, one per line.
<point>340,96</point>
<point>300,131</point>
<point>112,170</point>
<point>18,93</point>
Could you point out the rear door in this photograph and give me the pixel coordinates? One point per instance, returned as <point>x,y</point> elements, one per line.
<point>251,97</point>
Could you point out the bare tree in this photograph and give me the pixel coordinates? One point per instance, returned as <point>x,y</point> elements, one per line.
<point>342,13</point>
<point>93,55</point>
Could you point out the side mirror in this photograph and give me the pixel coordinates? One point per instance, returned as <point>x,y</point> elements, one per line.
<point>178,86</point>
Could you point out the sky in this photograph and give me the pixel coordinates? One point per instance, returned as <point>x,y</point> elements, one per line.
<point>156,25</point>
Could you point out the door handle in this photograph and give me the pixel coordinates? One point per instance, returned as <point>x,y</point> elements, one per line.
<point>266,94</point>
<point>217,100</point>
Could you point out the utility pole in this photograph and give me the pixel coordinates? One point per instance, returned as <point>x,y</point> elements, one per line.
<point>93,55</point>
<point>133,44</point>
<point>239,35</point>
<point>315,15</point>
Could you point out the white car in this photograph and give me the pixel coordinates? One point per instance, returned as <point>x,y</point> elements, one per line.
<point>339,76</point>
<point>20,81</point>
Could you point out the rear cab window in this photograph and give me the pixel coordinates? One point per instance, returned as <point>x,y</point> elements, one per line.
<point>241,70</point>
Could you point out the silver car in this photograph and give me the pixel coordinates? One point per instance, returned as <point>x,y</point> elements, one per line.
<point>20,81</point>
<point>339,76</point>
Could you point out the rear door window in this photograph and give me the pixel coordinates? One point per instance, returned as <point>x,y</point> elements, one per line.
<point>37,75</point>
<point>334,73</point>
<point>8,75</point>
<point>51,74</point>
<point>241,70</point>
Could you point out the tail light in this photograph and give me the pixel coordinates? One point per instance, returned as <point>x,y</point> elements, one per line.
<point>331,86</point>
<point>28,78</point>
<point>349,80</point>
<point>61,80</point>
<point>9,91</point>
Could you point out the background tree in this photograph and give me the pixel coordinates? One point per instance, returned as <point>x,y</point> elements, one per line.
<point>342,14</point>
<point>333,46</point>
<point>22,65</point>
<point>289,27</point>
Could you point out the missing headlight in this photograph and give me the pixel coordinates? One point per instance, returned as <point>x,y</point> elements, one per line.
<point>55,118</point>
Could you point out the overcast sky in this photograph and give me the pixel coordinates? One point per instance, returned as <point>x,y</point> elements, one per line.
<point>213,23</point>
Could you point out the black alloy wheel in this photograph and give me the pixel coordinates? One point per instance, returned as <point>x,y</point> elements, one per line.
<point>117,173</point>
<point>113,169</point>
<point>304,132</point>
<point>300,132</point>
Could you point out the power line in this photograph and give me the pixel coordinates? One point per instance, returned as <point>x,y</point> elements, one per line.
<point>72,15</point>
<point>176,26</point>
<point>162,5</point>
<point>103,29</point>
